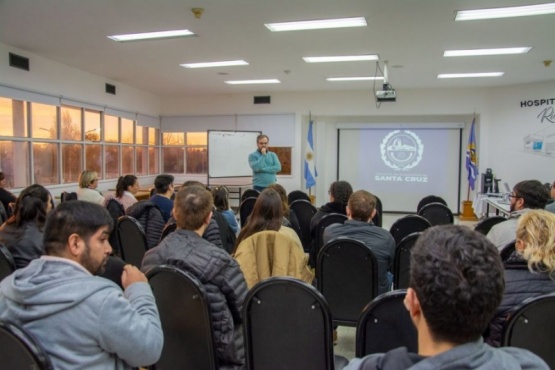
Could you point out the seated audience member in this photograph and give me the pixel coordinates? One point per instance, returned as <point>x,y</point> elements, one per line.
<point>6,197</point>
<point>360,210</point>
<point>526,195</point>
<point>83,321</point>
<point>88,182</point>
<point>456,283</point>
<point>289,216</point>
<point>551,205</point>
<point>163,192</point>
<point>221,202</point>
<point>529,270</point>
<point>267,214</point>
<point>339,192</point>
<point>22,233</point>
<point>126,189</point>
<point>215,268</point>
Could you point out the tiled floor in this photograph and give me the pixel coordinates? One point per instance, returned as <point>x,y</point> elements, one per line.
<point>346,336</point>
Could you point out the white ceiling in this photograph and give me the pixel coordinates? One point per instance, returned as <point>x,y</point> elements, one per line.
<point>410,34</point>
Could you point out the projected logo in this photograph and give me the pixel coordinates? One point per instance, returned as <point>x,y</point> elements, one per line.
<point>401,150</point>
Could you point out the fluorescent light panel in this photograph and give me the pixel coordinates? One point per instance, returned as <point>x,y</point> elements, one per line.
<point>468,75</point>
<point>515,11</point>
<point>151,35</point>
<point>227,63</point>
<point>248,82</point>
<point>317,24</point>
<point>336,79</point>
<point>342,58</point>
<point>499,51</point>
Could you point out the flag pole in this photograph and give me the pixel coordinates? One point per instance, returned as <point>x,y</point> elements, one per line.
<point>310,120</point>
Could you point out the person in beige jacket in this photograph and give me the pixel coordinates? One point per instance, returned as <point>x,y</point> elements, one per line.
<point>265,248</point>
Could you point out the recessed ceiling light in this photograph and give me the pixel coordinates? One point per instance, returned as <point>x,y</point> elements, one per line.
<point>317,24</point>
<point>507,12</point>
<point>468,75</point>
<point>151,35</point>
<point>500,51</point>
<point>248,82</point>
<point>334,79</point>
<point>342,58</point>
<point>215,64</point>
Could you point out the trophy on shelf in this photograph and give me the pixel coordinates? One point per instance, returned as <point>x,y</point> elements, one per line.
<point>487,181</point>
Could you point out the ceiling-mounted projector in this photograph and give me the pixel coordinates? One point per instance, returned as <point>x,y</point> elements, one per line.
<point>386,94</point>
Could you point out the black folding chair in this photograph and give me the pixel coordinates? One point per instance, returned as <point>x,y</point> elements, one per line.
<point>408,225</point>
<point>249,193</point>
<point>378,217</point>
<point>304,210</point>
<point>401,263</point>
<point>186,321</point>
<point>7,264</point>
<point>115,209</point>
<point>297,195</point>
<point>507,250</point>
<point>430,199</point>
<point>3,213</point>
<point>327,220</point>
<point>287,325</point>
<point>170,228</point>
<point>347,276</point>
<point>65,196</point>
<point>530,326</point>
<point>385,324</point>
<point>20,350</point>
<point>245,210</point>
<point>437,214</point>
<point>486,224</point>
<point>132,240</point>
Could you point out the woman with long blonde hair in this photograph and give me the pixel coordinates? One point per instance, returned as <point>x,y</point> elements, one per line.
<point>530,270</point>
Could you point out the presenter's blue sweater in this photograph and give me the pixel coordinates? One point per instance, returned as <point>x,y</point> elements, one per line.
<point>264,168</point>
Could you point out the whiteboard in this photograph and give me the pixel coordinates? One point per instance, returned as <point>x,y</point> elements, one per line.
<point>228,153</point>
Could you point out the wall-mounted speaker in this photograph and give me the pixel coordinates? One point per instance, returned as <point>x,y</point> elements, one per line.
<point>111,89</point>
<point>262,99</point>
<point>18,61</point>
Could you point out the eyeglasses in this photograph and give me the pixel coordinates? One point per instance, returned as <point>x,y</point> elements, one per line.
<point>511,195</point>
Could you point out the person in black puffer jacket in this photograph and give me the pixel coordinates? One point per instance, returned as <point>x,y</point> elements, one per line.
<point>529,271</point>
<point>214,267</point>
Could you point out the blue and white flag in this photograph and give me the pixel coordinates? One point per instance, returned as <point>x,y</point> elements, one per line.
<point>471,159</point>
<point>310,172</point>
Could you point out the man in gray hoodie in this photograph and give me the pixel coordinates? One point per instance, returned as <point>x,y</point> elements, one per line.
<point>456,283</point>
<point>83,321</point>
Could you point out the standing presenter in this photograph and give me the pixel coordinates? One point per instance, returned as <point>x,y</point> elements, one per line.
<point>264,164</point>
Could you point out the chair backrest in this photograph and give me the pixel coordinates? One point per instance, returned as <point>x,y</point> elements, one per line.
<point>385,324</point>
<point>249,193</point>
<point>170,228</point>
<point>287,325</point>
<point>401,263</point>
<point>20,350</point>
<point>7,264</point>
<point>327,220</point>
<point>378,217</point>
<point>186,320</point>
<point>347,276</point>
<point>304,210</point>
<point>486,224</point>
<point>65,196</point>
<point>115,209</point>
<point>297,195</point>
<point>245,209</point>
<point>3,213</point>
<point>507,250</point>
<point>437,214</point>
<point>530,326</point>
<point>429,199</point>
<point>132,240</point>
<point>408,225</point>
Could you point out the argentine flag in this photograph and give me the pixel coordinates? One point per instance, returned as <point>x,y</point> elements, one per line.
<point>310,172</point>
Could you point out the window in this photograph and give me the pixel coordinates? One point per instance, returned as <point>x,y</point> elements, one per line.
<point>61,142</point>
<point>173,152</point>
<point>196,152</point>
<point>71,123</point>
